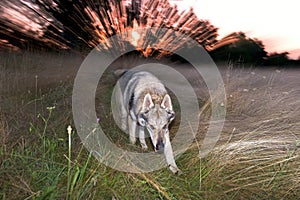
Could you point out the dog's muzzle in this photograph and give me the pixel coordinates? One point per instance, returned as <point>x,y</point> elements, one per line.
<point>159,146</point>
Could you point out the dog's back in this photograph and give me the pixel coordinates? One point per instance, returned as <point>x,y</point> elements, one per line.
<point>135,85</point>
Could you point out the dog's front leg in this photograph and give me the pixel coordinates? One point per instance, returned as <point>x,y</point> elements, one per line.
<point>132,130</point>
<point>141,130</point>
<point>170,157</point>
<point>124,117</point>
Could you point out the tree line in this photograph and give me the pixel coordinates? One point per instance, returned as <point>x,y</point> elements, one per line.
<point>244,49</point>
<point>82,25</point>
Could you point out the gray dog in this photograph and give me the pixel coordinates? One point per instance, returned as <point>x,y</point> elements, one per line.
<point>143,101</point>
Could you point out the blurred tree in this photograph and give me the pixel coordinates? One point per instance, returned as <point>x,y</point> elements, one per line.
<point>78,24</point>
<point>240,48</point>
<point>278,59</point>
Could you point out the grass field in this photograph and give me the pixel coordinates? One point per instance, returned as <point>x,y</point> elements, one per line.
<point>257,156</point>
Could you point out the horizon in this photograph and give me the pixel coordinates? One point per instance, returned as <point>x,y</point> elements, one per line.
<point>259,22</point>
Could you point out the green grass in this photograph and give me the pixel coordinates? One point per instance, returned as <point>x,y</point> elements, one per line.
<point>257,156</point>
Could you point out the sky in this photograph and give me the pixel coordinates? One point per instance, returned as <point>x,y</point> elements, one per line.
<point>276,23</point>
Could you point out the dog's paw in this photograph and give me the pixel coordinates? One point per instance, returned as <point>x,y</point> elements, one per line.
<point>175,170</point>
<point>132,140</point>
<point>123,127</point>
<point>144,146</point>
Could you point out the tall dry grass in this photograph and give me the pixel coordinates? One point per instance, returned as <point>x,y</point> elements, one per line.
<point>257,156</point>
<point>258,153</point>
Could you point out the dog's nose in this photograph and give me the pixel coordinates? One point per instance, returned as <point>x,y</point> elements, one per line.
<point>160,146</point>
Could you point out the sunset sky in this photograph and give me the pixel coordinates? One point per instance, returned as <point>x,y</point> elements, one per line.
<point>276,23</point>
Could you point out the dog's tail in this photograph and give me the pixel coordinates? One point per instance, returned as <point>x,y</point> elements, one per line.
<point>119,72</point>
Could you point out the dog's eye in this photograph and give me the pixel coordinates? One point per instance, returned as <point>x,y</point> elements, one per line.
<point>165,126</point>
<point>152,127</point>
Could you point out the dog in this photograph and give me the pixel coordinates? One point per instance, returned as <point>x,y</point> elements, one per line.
<point>145,103</point>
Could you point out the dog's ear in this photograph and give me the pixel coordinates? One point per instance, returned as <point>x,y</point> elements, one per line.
<point>148,103</point>
<point>166,103</point>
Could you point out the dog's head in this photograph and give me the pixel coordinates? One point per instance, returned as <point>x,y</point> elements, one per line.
<point>156,118</point>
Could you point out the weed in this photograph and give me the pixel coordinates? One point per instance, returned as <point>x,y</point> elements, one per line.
<point>256,157</point>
